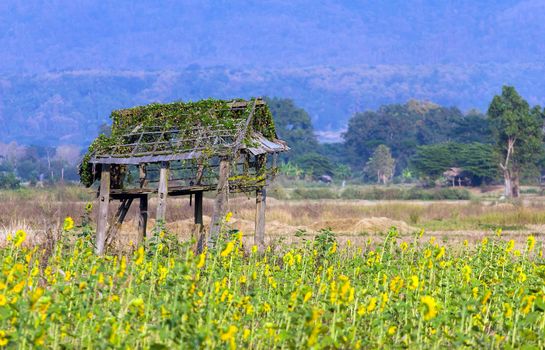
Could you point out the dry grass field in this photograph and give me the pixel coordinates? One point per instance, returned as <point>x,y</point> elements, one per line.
<point>40,211</point>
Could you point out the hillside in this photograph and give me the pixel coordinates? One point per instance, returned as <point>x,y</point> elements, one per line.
<point>68,107</point>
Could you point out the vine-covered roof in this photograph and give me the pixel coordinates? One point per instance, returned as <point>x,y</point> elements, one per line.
<point>179,131</point>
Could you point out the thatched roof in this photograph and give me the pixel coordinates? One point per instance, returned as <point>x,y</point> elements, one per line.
<point>181,131</point>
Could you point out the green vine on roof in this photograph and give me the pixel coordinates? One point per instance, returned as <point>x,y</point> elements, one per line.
<point>186,117</point>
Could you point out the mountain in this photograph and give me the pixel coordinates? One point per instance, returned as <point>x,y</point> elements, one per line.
<point>64,65</point>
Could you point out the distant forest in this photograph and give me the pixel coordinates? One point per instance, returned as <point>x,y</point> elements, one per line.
<point>422,142</point>
<point>408,130</point>
<point>412,142</point>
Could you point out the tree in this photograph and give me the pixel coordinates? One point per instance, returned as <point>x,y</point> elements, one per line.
<point>475,159</point>
<point>293,125</point>
<point>8,180</point>
<point>430,161</point>
<point>290,169</point>
<point>473,127</point>
<point>400,127</point>
<point>315,164</point>
<point>518,134</point>
<point>342,172</point>
<point>381,164</point>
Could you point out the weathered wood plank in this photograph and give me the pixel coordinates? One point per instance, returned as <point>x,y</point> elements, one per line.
<point>261,206</point>
<point>198,208</point>
<point>220,202</point>
<point>118,219</point>
<point>142,218</point>
<point>162,192</point>
<point>198,231</point>
<point>104,201</point>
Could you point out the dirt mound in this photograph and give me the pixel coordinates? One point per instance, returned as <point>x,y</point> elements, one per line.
<point>367,225</point>
<point>183,228</point>
<point>350,226</point>
<point>382,224</point>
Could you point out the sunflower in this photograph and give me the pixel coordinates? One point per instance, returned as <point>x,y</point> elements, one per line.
<point>68,223</point>
<point>430,307</point>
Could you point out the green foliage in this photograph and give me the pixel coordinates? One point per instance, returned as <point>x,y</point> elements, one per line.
<point>185,117</point>
<point>291,170</point>
<point>401,292</point>
<point>324,242</point>
<point>400,127</point>
<point>473,127</point>
<point>8,180</point>
<point>397,193</point>
<point>518,135</point>
<point>476,159</point>
<point>293,125</point>
<point>512,119</point>
<point>87,176</point>
<point>315,164</point>
<point>381,164</point>
<point>375,193</point>
<point>314,193</point>
<point>342,172</point>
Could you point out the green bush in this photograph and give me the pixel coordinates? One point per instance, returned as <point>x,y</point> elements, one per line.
<point>9,181</point>
<point>396,193</point>
<point>278,192</point>
<point>314,193</point>
<point>372,193</point>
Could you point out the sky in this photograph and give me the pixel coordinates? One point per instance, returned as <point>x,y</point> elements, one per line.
<point>53,35</point>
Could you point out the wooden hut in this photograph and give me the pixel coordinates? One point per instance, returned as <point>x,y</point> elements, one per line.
<point>181,149</point>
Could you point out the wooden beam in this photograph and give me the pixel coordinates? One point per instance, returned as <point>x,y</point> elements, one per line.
<point>162,192</point>
<point>142,219</point>
<point>118,219</point>
<point>198,208</point>
<point>104,201</point>
<point>220,202</point>
<point>261,202</point>
<point>261,205</point>
<point>198,230</point>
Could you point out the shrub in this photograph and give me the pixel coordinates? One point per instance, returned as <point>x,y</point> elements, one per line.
<point>278,192</point>
<point>9,181</point>
<point>314,193</point>
<point>415,193</point>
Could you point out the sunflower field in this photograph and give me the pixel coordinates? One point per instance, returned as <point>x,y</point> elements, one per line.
<point>404,292</point>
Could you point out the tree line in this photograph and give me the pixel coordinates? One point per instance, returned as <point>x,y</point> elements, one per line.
<point>37,165</point>
<point>421,141</point>
<point>412,142</point>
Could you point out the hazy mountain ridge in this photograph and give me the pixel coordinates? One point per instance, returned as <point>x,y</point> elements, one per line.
<point>68,107</point>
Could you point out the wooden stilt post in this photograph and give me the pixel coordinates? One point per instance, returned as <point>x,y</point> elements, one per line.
<point>143,206</point>
<point>198,231</point>
<point>118,219</point>
<point>104,201</point>
<point>162,191</point>
<point>142,218</point>
<point>220,203</point>
<point>261,203</point>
